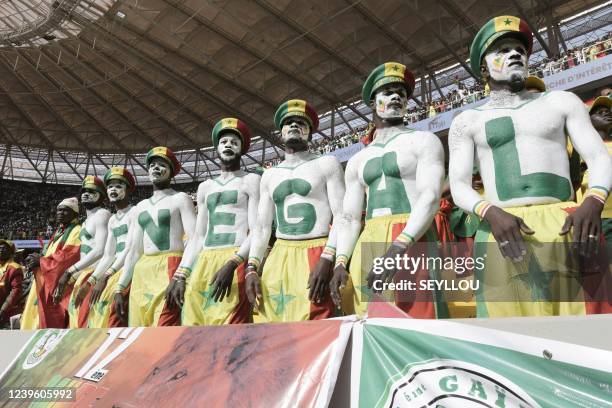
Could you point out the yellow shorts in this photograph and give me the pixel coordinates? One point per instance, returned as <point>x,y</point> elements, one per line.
<point>199,308</point>
<point>375,239</point>
<point>100,313</point>
<point>152,273</point>
<point>284,282</point>
<point>543,284</point>
<point>78,315</point>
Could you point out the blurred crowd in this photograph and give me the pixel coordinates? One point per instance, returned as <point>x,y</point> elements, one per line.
<point>27,210</point>
<point>463,94</point>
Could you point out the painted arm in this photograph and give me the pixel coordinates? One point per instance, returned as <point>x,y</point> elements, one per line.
<point>429,180</point>
<point>587,142</point>
<point>263,226</point>
<point>135,249</point>
<point>121,256</point>
<point>350,219</point>
<point>196,240</point>
<point>335,194</point>
<point>107,258</point>
<point>461,163</point>
<point>97,250</point>
<point>252,184</point>
<point>188,215</point>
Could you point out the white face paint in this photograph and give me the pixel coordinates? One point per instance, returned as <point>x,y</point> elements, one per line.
<point>159,170</point>
<point>116,191</point>
<point>89,196</point>
<point>507,60</point>
<point>295,128</point>
<point>229,146</point>
<point>391,101</point>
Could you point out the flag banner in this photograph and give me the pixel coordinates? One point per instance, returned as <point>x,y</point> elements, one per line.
<point>280,365</point>
<point>418,363</point>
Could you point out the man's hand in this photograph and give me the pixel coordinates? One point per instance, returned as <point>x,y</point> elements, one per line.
<point>507,229</point>
<point>388,273</point>
<point>337,284</point>
<point>82,294</point>
<point>586,222</point>
<point>222,281</point>
<point>58,293</point>
<point>253,288</point>
<point>120,308</point>
<point>319,279</point>
<point>175,293</point>
<point>97,291</point>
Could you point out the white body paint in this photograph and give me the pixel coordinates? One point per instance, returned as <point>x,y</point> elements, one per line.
<point>541,122</point>
<point>391,102</point>
<point>122,219</point>
<point>229,146</point>
<point>244,210</point>
<point>182,222</point>
<point>420,159</point>
<point>324,174</point>
<point>94,225</point>
<point>502,60</point>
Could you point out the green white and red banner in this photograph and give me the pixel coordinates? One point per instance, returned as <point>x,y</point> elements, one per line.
<point>441,364</point>
<point>395,362</point>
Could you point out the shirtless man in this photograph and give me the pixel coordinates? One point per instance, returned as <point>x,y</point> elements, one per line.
<point>120,184</point>
<point>304,195</point>
<point>601,118</point>
<point>155,246</point>
<point>399,175</point>
<point>520,143</point>
<point>204,285</point>
<point>93,236</point>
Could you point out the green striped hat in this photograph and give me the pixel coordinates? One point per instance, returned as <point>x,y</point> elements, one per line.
<point>236,126</point>
<point>121,174</point>
<point>494,29</point>
<point>94,183</point>
<point>387,73</point>
<point>166,154</point>
<point>296,107</point>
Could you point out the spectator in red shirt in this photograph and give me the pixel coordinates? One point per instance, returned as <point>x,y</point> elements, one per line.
<point>11,276</point>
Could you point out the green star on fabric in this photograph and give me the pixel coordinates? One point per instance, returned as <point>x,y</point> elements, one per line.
<point>395,67</point>
<point>101,305</point>
<point>366,293</point>
<point>281,300</point>
<point>507,21</point>
<point>149,297</point>
<point>208,302</point>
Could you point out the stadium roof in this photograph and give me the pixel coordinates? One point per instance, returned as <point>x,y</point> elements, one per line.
<point>104,77</point>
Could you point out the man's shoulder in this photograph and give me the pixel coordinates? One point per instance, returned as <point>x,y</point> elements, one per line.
<point>327,160</point>
<point>251,178</point>
<point>358,157</point>
<point>181,196</point>
<point>103,213</point>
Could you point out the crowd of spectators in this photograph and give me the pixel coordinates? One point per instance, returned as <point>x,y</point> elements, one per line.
<point>463,95</point>
<point>27,210</point>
